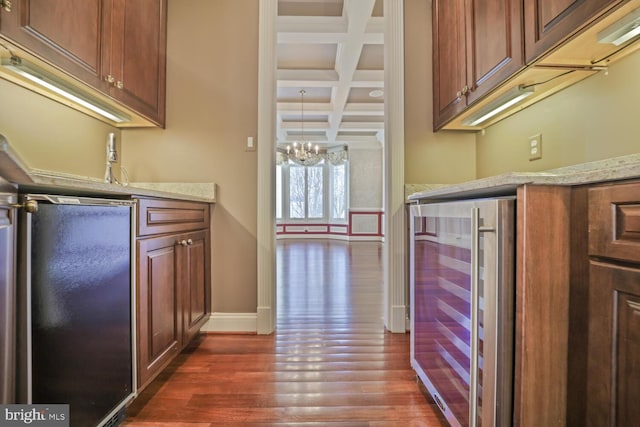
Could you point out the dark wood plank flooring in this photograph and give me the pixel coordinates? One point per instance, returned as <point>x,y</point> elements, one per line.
<point>330,362</point>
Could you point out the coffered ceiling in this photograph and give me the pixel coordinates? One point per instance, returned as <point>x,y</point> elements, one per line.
<point>334,51</point>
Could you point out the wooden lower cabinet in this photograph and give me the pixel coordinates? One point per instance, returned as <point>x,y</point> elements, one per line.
<point>159,316</point>
<point>195,292</point>
<point>613,380</point>
<point>173,288</point>
<point>613,390</point>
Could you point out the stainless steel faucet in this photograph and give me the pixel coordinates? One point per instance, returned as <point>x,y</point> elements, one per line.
<point>112,157</point>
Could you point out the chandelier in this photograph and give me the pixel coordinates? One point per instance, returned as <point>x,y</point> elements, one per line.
<point>302,152</point>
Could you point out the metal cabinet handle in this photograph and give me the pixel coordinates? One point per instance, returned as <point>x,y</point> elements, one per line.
<point>109,79</point>
<point>189,242</point>
<point>462,92</point>
<point>6,5</point>
<point>182,242</point>
<point>119,84</point>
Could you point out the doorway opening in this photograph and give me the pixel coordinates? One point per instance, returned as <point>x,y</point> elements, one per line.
<point>336,52</point>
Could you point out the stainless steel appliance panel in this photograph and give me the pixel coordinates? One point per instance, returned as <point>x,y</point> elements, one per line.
<point>462,308</point>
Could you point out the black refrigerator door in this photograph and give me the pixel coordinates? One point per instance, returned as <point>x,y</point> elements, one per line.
<point>81,308</point>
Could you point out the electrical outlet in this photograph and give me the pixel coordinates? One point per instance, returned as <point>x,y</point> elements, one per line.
<point>535,147</point>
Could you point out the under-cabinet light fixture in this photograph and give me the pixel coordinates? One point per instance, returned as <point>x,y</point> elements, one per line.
<point>44,79</point>
<point>622,30</point>
<point>509,99</point>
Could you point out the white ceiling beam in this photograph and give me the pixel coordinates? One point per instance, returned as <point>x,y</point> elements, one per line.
<point>308,126</point>
<point>361,126</point>
<point>358,14</point>
<point>325,29</point>
<point>328,78</point>
<point>309,107</point>
<point>307,78</point>
<point>363,109</point>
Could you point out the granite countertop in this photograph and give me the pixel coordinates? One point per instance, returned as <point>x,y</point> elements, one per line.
<point>618,168</point>
<point>14,170</point>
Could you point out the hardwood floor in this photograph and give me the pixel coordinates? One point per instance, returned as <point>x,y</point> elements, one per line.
<point>330,362</point>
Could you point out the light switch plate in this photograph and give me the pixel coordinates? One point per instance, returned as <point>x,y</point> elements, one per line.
<point>251,144</point>
<point>535,147</point>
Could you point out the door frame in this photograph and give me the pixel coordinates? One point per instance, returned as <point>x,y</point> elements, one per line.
<point>395,249</point>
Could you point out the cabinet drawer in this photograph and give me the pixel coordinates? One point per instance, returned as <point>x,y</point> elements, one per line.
<point>614,221</point>
<point>159,216</point>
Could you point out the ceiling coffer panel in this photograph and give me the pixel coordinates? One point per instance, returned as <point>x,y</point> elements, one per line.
<point>334,51</point>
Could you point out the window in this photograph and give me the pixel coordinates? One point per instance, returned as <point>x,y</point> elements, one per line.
<point>316,193</point>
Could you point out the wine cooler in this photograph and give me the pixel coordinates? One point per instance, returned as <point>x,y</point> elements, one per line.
<point>462,307</point>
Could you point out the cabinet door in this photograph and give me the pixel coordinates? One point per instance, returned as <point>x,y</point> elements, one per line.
<point>138,55</point>
<point>194,276</point>
<point>449,60</point>
<point>613,389</point>
<point>67,33</point>
<point>494,40</point>
<point>547,22</point>
<point>159,313</point>
<point>7,301</point>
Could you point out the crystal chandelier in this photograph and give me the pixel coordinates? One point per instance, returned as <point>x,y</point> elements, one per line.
<point>302,152</point>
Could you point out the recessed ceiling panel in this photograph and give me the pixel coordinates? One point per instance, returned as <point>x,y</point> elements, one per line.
<point>303,56</point>
<point>307,118</point>
<point>361,95</point>
<point>312,94</point>
<point>372,57</point>
<point>310,7</point>
<point>377,9</point>
<point>362,119</point>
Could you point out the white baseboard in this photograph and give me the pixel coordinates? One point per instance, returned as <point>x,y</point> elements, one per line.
<point>231,322</point>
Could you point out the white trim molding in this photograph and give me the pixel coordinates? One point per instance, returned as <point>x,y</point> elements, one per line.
<point>266,234</point>
<point>395,230</point>
<point>231,322</point>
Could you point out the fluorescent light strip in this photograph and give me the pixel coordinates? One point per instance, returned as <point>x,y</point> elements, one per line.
<point>61,89</point>
<point>509,99</point>
<point>621,31</point>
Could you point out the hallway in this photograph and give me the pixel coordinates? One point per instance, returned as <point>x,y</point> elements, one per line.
<point>330,362</point>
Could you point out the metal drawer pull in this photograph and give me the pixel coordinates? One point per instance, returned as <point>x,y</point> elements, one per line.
<point>6,5</point>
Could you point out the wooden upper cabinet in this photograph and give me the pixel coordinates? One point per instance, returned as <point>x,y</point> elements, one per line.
<point>449,60</point>
<point>115,46</point>
<point>547,22</point>
<point>137,62</point>
<point>476,46</point>
<point>495,50</point>
<point>66,33</point>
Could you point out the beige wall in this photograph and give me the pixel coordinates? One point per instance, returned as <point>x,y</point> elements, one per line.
<point>51,136</point>
<point>592,120</point>
<point>211,110</point>
<point>212,60</point>
<point>430,158</point>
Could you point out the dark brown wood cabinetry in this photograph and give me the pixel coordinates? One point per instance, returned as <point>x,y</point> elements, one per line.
<point>475,48</point>
<point>548,22</point>
<point>7,297</point>
<point>118,47</point>
<point>173,280</point>
<point>613,385</point>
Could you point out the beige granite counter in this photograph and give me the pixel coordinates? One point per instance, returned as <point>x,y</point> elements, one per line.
<point>618,168</point>
<point>14,170</point>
